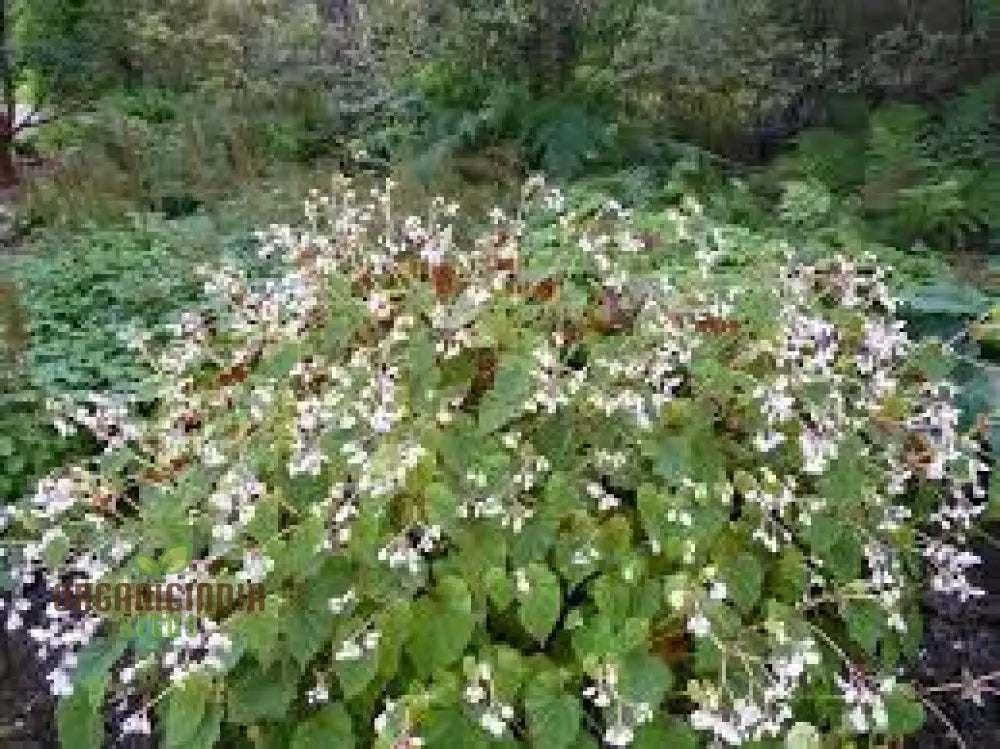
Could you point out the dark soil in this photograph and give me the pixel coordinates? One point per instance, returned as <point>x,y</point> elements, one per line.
<point>26,709</point>
<point>963,642</point>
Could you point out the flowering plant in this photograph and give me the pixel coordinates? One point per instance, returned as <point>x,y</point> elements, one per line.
<point>588,478</point>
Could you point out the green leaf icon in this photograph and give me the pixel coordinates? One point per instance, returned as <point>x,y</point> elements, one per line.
<point>175,560</point>
<point>147,565</point>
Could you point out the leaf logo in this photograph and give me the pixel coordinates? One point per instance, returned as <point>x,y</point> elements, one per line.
<point>147,565</point>
<point>172,561</point>
<point>175,560</point>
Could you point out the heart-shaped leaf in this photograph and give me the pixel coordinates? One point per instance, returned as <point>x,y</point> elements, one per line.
<point>147,565</point>
<point>553,715</point>
<point>175,560</point>
<point>541,601</point>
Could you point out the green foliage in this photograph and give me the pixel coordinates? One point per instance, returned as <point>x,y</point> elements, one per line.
<point>919,174</point>
<point>66,53</point>
<point>483,490</point>
<point>573,89</point>
<point>82,293</point>
<point>82,296</point>
<point>29,446</point>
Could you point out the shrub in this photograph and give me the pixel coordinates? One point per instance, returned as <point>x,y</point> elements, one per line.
<point>588,476</point>
<point>68,303</point>
<point>81,291</point>
<point>29,448</point>
<point>920,174</point>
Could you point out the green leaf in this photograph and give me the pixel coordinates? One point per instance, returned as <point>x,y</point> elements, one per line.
<point>660,735</point>
<point>499,588</point>
<point>207,735</point>
<point>645,678</point>
<point>511,387</point>
<point>256,696</point>
<point>904,711</point>
<point>652,507</point>
<point>449,728</point>
<point>561,495</point>
<point>308,629</point>
<point>540,605</point>
<point>790,576</point>
<point>330,728</point>
<point>744,578</point>
<point>595,639</point>
<point>147,565</point>
<point>611,596</point>
<point>441,626</point>
<point>510,671</point>
<point>802,736</point>
<point>96,659</point>
<point>866,623</point>
<point>175,560</point>
<point>356,675</point>
<point>553,716</point>
<point>80,718</point>
<point>845,559</point>
<point>993,508</point>
<point>260,632</point>
<point>441,506</point>
<point>821,534</point>
<point>946,297</point>
<point>185,710</point>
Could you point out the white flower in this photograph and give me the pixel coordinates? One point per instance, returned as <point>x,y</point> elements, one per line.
<point>618,735</point>
<point>718,591</point>
<point>521,581</point>
<point>699,625</point>
<point>474,694</point>
<point>382,719</point>
<point>349,651</point>
<point>61,684</point>
<point>378,306</point>
<point>492,723</point>
<point>318,694</point>
<point>137,723</point>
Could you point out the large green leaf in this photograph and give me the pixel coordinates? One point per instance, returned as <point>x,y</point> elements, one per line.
<point>866,623</point>
<point>505,401</point>
<point>450,728</point>
<point>540,604</point>
<point>645,678</point>
<point>905,712</point>
<point>553,716</point>
<point>744,578</point>
<point>175,559</point>
<point>330,728</point>
<point>80,717</point>
<point>441,627</point>
<point>260,695</point>
<point>356,675</point>
<point>186,706</point>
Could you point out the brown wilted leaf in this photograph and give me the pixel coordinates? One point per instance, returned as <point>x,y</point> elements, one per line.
<point>444,278</point>
<point>717,326</point>
<point>671,646</point>
<point>545,291</point>
<point>235,375</point>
